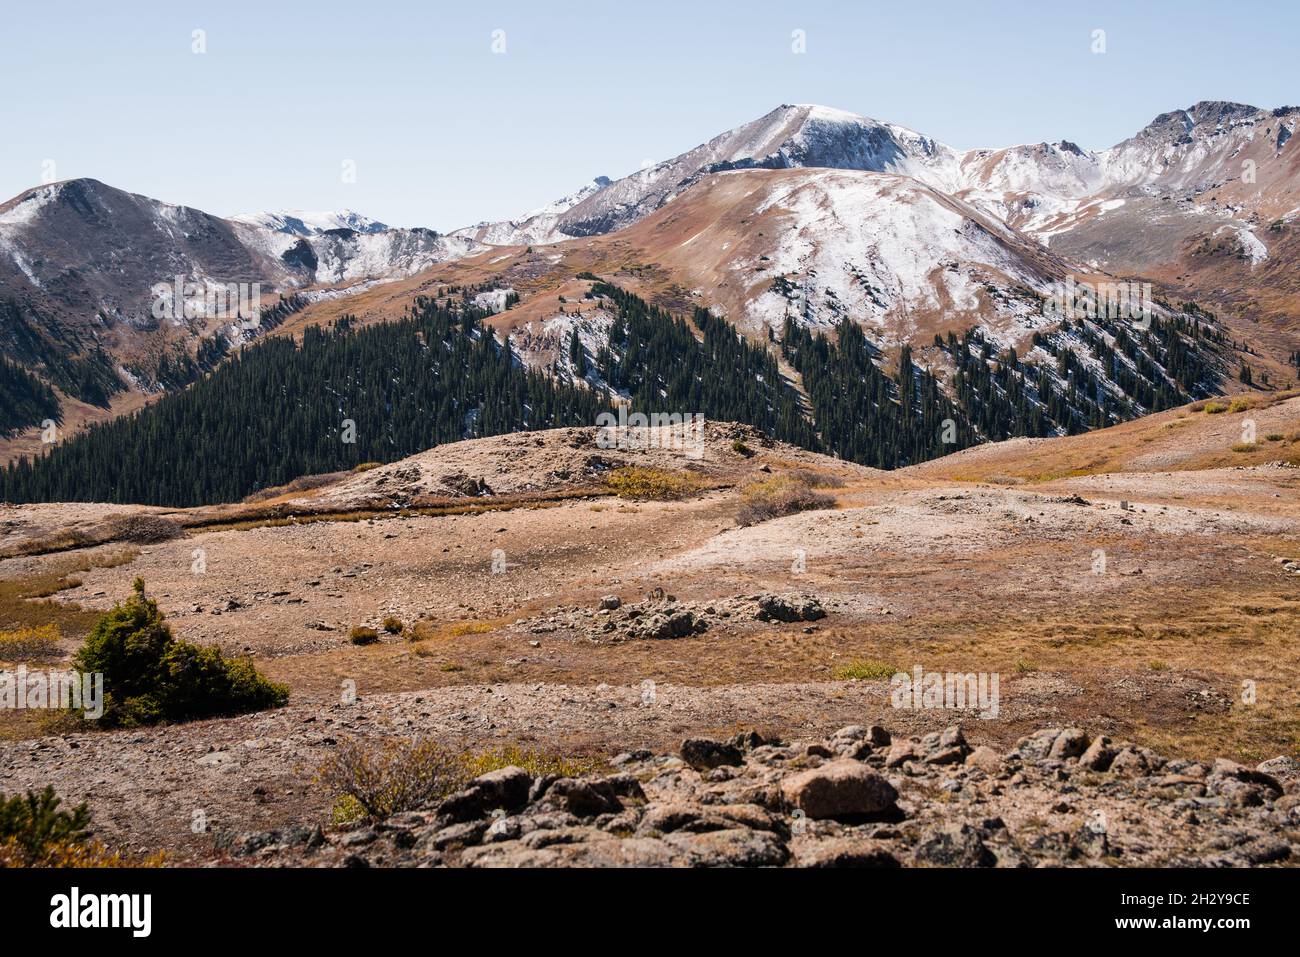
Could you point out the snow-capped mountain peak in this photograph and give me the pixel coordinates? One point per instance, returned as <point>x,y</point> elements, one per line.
<point>790,136</point>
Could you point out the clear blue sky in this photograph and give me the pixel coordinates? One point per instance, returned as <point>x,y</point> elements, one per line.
<point>444,132</point>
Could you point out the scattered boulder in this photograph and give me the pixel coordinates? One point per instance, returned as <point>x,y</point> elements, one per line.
<point>462,484</point>
<point>986,759</point>
<point>676,624</point>
<point>737,847</point>
<point>581,797</point>
<point>839,789</point>
<point>788,608</point>
<point>1099,754</point>
<point>506,788</point>
<point>1283,767</point>
<point>703,754</point>
<point>840,852</point>
<point>1224,767</point>
<point>1070,743</point>
<point>954,845</point>
<point>900,752</point>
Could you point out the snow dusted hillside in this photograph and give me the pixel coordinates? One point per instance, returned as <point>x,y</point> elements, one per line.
<point>537,227</point>
<point>1211,169</point>
<point>296,222</point>
<point>78,247</point>
<point>1045,190</point>
<point>342,254</point>
<point>890,253</point>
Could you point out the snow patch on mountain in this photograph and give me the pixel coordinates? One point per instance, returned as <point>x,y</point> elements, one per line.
<point>1252,248</point>
<point>493,300</point>
<point>537,227</point>
<point>297,222</point>
<point>882,249</point>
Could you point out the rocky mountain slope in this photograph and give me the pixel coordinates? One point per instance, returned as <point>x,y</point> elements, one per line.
<point>1200,199</point>
<point>83,248</point>
<point>81,269</point>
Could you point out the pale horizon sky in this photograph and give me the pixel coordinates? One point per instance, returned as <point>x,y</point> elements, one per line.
<point>445,132</point>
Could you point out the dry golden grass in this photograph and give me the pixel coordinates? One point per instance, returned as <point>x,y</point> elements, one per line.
<point>864,670</point>
<point>643,483</point>
<point>535,761</point>
<point>1195,437</point>
<point>784,494</point>
<point>89,854</point>
<point>361,635</point>
<point>40,643</point>
<point>21,599</point>
<point>447,630</point>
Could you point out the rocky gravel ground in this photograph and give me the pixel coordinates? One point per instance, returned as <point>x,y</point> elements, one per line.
<point>662,616</point>
<point>1138,606</point>
<point>176,787</point>
<point>858,798</point>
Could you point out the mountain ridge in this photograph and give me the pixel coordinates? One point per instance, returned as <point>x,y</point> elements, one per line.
<point>866,218</point>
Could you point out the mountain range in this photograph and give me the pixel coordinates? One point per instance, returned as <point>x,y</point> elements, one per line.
<point>808,213</point>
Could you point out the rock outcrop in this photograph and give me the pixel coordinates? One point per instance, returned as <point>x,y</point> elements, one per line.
<point>859,798</point>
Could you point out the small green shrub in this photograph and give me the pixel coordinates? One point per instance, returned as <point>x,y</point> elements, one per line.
<point>35,833</point>
<point>150,676</point>
<point>32,823</point>
<point>346,810</point>
<point>393,625</point>
<point>1215,408</point>
<point>740,448</point>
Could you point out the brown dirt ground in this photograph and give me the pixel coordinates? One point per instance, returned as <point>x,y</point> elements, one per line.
<point>941,566</point>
